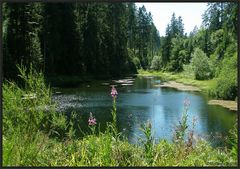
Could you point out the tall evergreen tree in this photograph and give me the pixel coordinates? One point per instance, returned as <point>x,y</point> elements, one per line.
<point>132,25</point>
<point>118,39</point>
<point>60,39</point>
<point>22,37</point>
<point>144,30</point>
<point>174,32</point>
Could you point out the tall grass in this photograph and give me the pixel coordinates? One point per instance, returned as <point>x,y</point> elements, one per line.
<point>34,134</point>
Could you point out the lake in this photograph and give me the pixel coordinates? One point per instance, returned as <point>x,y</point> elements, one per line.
<point>144,102</point>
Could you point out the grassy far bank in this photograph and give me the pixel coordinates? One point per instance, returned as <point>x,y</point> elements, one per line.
<point>35,134</point>
<point>207,87</point>
<point>188,79</point>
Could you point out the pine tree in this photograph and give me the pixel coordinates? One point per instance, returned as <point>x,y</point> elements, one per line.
<point>61,44</point>
<point>22,37</point>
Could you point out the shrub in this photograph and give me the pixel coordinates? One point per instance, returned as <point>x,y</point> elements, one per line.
<point>136,62</point>
<point>188,71</point>
<point>202,65</point>
<point>156,63</point>
<point>29,115</point>
<point>233,140</point>
<point>227,82</point>
<point>148,142</point>
<point>26,107</point>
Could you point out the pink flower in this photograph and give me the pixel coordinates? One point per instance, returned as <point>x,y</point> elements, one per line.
<point>91,120</point>
<point>186,102</point>
<point>114,92</point>
<point>149,125</point>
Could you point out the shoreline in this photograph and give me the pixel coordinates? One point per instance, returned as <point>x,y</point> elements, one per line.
<point>230,104</point>
<point>178,86</point>
<point>187,84</point>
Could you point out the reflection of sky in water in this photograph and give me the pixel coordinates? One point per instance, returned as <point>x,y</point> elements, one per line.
<point>142,102</point>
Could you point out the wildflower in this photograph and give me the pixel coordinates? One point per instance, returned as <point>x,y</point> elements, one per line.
<point>186,102</point>
<point>194,120</point>
<point>91,120</point>
<point>149,125</point>
<point>114,92</point>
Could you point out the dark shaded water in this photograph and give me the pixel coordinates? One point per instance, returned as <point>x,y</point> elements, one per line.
<point>143,101</point>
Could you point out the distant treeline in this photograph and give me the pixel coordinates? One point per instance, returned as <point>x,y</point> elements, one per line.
<point>78,38</point>
<point>207,52</point>
<point>217,37</point>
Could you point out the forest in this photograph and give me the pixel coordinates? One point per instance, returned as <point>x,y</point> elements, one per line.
<point>111,40</point>
<point>82,38</point>
<point>55,43</point>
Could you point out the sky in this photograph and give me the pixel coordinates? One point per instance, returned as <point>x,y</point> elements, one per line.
<point>191,14</point>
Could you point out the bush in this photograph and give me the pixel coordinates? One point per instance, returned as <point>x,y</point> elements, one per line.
<point>25,108</point>
<point>188,71</point>
<point>233,140</point>
<point>156,63</point>
<point>29,119</point>
<point>202,65</point>
<point>136,62</point>
<point>227,82</point>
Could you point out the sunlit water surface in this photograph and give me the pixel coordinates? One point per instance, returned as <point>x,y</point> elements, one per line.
<point>143,102</point>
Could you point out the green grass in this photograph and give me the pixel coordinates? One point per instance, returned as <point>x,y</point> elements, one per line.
<point>37,136</point>
<point>184,77</point>
<point>104,150</point>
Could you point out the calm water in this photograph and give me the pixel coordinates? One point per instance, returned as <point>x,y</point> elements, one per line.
<point>141,102</point>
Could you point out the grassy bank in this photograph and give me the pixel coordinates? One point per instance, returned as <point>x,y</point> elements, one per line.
<point>34,134</point>
<point>205,85</point>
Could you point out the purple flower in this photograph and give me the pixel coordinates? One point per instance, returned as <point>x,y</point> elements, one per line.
<point>149,125</point>
<point>186,102</point>
<point>114,92</point>
<point>91,120</point>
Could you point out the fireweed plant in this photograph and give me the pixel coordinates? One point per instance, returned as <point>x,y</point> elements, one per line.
<point>114,94</point>
<point>92,123</point>
<point>182,127</point>
<point>148,142</point>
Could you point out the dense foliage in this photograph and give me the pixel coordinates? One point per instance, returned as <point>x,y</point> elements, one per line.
<point>78,38</point>
<point>227,82</point>
<point>34,134</point>
<point>115,39</point>
<point>207,49</point>
<point>201,65</point>
<point>156,63</point>
<point>21,37</point>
